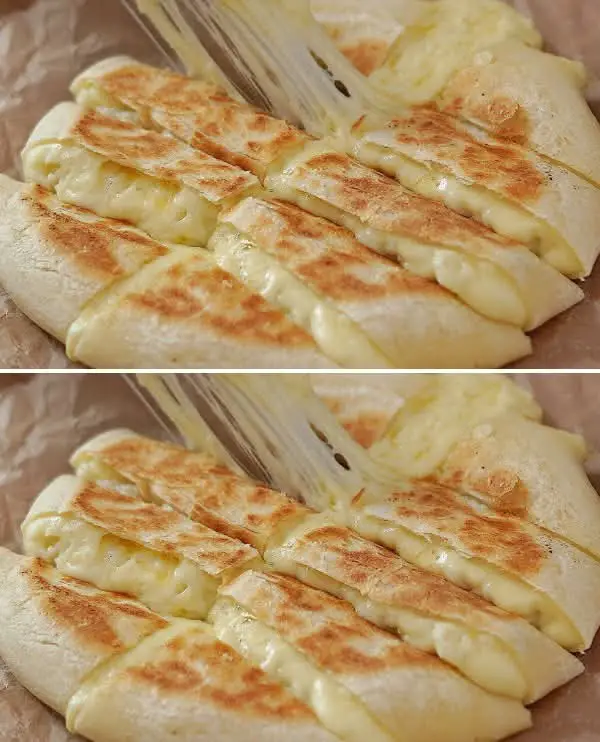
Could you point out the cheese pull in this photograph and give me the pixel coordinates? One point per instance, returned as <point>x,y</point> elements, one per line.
<point>510,562</point>
<point>361,682</point>
<point>113,167</point>
<point>494,275</point>
<point>118,671</point>
<point>501,653</point>
<point>119,542</point>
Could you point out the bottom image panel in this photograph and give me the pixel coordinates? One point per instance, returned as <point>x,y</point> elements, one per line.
<point>312,557</point>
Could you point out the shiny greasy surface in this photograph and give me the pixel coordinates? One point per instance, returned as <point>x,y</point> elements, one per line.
<point>159,529</point>
<point>106,248</point>
<point>160,156</point>
<point>199,113</point>
<point>325,256</point>
<point>102,621</point>
<point>195,484</point>
<point>326,629</point>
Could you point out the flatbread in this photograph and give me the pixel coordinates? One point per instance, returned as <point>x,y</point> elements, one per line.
<point>184,311</point>
<point>362,673</point>
<point>119,542</point>
<point>119,671</point>
<point>357,304</point>
<point>496,276</point>
<point>197,112</point>
<point>56,257</point>
<point>118,169</point>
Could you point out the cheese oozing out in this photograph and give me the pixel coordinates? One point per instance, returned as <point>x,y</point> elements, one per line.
<point>169,585</point>
<point>335,333</point>
<point>166,210</point>
<point>334,705</point>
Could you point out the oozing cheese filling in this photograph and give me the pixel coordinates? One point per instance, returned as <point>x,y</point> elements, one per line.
<point>479,283</point>
<point>334,332</point>
<point>335,707</point>
<point>481,657</point>
<point>165,210</point>
<point>493,210</point>
<point>168,585</point>
<point>499,587</point>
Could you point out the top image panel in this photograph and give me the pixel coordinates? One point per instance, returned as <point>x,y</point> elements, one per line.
<point>268,184</point>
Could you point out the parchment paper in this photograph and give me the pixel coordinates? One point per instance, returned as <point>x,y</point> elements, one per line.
<point>43,417</point>
<point>44,43</point>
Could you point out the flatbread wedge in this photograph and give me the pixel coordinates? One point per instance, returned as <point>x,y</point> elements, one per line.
<point>117,169</point>
<point>361,308</point>
<point>499,652</point>
<point>119,671</point>
<point>56,257</point>
<point>360,681</point>
<point>184,311</point>
<point>121,543</point>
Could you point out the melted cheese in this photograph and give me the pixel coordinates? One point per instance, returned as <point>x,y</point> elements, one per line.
<point>168,585</point>
<point>481,657</point>
<point>336,708</point>
<point>165,210</point>
<point>478,282</point>
<point>335,333</point>
<point>504,217</point>
<point>500,588</point>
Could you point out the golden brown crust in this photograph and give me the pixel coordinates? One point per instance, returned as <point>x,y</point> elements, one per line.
<point>202,115</point>
<point>94,243</point>
<point>90,615</point>
<point>158,528</point>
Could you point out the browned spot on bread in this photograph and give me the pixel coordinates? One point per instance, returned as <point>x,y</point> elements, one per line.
<point>158,528</point>
<point>366,55</point>
<point>195,292</point>
<point>502,167</point>
<point>95,243</point>
<point>325,628</point>
<point>200,667</point>
<point>199,487</point>
<point>92,615</point>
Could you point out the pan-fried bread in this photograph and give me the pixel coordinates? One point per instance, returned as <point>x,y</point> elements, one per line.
<point>510,562</point>
<point>119,542</point>
<point>498,277</point>
<point>57,630</point>
<point>443,38</point>
<point>350,294</point>
<point>544,109</point>
<point>186,312</point>
<point>498,651</point>
<point>192,482</point>
<point>56,257</point>
<point>518,193</point>
<point>117,169</point>
<point>534,472</point>
<point>184,684</point>
<point>442,412</point>
<point>197,112</point>
<point>361,682</point>
<point>119,671</point>
<point>503,654</point>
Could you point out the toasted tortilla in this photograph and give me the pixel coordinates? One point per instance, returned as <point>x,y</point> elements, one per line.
<point>362,682</point>
<point>119,542</point>
<point>197,112</point>
<point>510,562</point>
<point>117,670</point>
<point>543,109</point>
<point>494,275</point>
<point>427,611</point>
<point>356,304</point>
<point>184,311</point>
<point>118,169</point>
<point>56,257</point>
